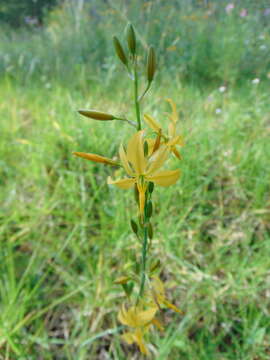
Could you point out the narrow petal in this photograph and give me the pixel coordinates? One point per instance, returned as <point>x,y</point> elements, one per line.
<point>135,152</point>
<point>146,316</point>
<point>177,140</point>
<point>122,316</point>
<point>157,159</point>
<point>176,152</point>
<point>157,324</point>
<point>139,340</point>
<point>151,122</point>
<point>96,158</point>
<point>124,161</point>
<point>125,183</point>
<point>171,129</point>
<point>165,178</point>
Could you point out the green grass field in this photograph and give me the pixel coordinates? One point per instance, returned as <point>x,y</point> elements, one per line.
<point>65,234</point>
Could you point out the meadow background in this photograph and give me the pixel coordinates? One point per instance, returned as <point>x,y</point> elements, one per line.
<point>64,233</point>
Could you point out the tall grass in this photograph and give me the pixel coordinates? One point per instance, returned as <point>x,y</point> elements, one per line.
<point>198,41</point>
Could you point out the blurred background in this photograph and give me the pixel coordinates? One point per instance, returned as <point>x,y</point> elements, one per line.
<point>65,234</point>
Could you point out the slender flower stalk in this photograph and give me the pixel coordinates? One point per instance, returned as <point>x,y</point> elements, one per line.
<point>141,161</point>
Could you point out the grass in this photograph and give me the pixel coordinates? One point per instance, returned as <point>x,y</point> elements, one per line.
<point>65,234</point>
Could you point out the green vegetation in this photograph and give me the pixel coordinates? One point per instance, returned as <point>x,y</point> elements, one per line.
<point>63,230</point>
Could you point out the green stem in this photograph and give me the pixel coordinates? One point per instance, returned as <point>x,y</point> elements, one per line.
<point>144,259</point>
<point>136,100</point>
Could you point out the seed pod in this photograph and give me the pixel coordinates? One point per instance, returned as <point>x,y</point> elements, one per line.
<point>131,39</point>
<point>120,51</point>
<point>151,64</point>
<point>151,187</point>
<point>97,115</point>
<point>149,209</point>
<point>134,226</point>
<point>150,231</point>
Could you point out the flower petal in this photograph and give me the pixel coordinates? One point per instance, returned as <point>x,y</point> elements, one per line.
<point>165,178</point>
<point>176,152</point>
<point>151,122</point>
<point>125,183</point>
<point>124,161</point>
<point>177,140</point>
<point>157,159</point>
<point>135,152</point>
<point>172,307</point>
<point>141,186</point>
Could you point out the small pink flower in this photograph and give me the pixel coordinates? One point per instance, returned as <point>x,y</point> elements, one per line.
<point>229,8</point>
<point>243,13</point>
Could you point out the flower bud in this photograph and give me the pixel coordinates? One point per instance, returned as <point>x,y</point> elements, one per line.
<point>151,64</point>
<point>131,39</point>
<point>97,115</point>
<point>151,187</point>
<point>134,226</point>
<point>149,209</point>
<point>120,51</point>
<point>96,158</point>
<point>150,231</point>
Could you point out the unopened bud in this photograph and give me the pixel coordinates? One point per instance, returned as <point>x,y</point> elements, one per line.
<point>149,209</point>
<point>155,265</point>
<point>97,115</point>
<point>122,280</point>
<point>131,39</point>
<point>120,51</point>
<point>151,187</point>
<point>134,226</point>
<point>150,231</point>
<point>96,158</point>
<point>151,64</point>
<point>145,148</point>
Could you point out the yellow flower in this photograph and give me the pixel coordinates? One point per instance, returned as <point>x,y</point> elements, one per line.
<point>158,297</point>
<point>139,320</point>
<point>142,169</point>
<point>172,139</point>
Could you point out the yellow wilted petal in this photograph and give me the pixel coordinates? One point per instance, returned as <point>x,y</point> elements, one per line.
<point>124,161</point>
<point>151,122</point>
<point>139,340</point>
<point>157,160</point>
<point>176,153</point>
<point>174,115</point>
<point>125,183</point>
<point>157,324</point>
<point>95,158</point>
<point>172,307</point>
<point>165,178</point>
<point>135,152</point>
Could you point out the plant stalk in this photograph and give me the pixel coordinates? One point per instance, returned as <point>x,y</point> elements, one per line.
<point>136,100</point>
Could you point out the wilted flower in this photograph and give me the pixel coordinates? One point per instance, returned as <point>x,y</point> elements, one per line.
<point>171,139</point>
<point>139,320</point>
